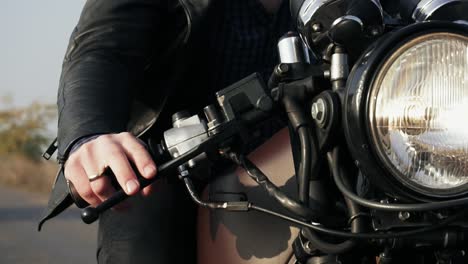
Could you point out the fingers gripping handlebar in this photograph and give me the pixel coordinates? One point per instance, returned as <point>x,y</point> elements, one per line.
<point>91,214</point>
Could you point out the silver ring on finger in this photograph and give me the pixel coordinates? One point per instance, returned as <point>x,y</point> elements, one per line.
<point>96,176</point>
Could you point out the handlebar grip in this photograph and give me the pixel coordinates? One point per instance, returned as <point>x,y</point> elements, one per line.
<point>154,149</point>
<point>90,214</point>
<point>79,202</point>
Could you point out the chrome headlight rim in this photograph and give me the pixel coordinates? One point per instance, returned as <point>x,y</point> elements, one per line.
<point>356,105</point>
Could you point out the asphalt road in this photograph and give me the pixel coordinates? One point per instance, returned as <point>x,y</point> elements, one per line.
<point>62,240</point>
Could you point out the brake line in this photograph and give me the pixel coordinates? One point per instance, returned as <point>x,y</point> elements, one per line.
<point>333,159</point>
<point>244,206</point>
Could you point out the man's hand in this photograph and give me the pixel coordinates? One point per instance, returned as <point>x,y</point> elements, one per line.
<point>115,151</point>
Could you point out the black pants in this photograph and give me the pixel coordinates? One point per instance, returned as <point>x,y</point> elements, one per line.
<point>156,229</point>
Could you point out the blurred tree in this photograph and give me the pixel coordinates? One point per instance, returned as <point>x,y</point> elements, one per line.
<point>24,130</point>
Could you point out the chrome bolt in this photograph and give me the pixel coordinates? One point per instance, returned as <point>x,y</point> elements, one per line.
<point>319,111</point>
<point>441,215</point>
<point>192,163</point>
<point>403,216</point>
<point>375,31</point>
<point>183,172</point>
<point>282,69</point>
<point>316,27</point>
<point>308,246</point>
<point>384,201</point>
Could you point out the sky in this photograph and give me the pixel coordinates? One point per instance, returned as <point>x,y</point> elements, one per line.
<point>33,37</point>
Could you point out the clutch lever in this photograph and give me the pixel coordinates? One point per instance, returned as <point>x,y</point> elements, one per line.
<point>91,214</point>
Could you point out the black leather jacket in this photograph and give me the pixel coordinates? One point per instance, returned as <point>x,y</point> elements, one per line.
<point>123,52</point>
<point>123,56</point>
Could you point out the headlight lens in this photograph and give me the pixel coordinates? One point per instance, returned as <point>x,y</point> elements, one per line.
<point>418,113</point>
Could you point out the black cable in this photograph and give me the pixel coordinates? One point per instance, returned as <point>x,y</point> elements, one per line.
<point>375,235</point>
<point>338,174</point>
<point>357,226</point>
<point>299,122</point>
<point>329,248</point>
<point>244,206</point>
<point>304,171</point>
<point>308,167</point>
<point>193,194</point>
<point>354,212</point>
<point>308,213</point>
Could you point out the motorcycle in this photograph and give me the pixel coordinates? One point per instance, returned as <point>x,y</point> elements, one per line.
<point>373,166</point>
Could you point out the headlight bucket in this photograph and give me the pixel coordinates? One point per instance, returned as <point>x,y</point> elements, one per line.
<point>356,113</point>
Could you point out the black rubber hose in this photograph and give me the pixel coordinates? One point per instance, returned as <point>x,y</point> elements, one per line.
<point>304,171</point>
<point>338,175</point>
<point>357,226</point>
<point>355,216</point>
<point>308,166</point>
<point>312,213</point>
<point>354,210</point>
<point>296,114</point>
<point>299,123</point>
<point>328,248</point>
<point>337,248</point>
<point>342,247</point>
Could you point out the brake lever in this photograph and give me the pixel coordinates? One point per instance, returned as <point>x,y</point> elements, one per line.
<point>91,214</point>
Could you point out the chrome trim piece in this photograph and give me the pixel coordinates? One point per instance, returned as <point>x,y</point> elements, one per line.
<point>185,135</point>
<point>348,17</point>
<point>316,18</point>
<point>309,8</point>
<point>292,50</point>
<point>426,8</point>
<point>306,20</point>
<point>461,22</point>
<point>339,68</point>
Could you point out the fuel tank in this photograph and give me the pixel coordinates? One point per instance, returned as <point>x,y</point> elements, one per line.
<point>250,237</point>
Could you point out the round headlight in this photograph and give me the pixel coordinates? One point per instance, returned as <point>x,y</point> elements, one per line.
<point>404,112</point>
<point>418,113</point>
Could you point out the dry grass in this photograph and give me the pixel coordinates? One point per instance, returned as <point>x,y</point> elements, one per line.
<point>21,172</point>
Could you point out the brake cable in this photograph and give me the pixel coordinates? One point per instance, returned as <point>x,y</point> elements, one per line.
<point>244,206</point>
<point>333,158</point>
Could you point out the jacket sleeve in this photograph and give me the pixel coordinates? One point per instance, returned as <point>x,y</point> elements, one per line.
<point>107,53</point>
